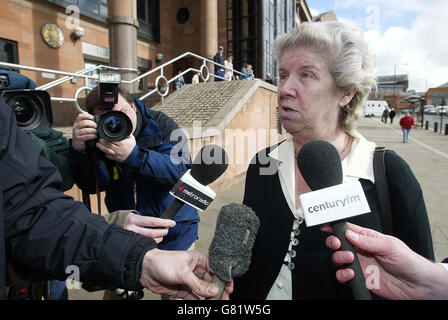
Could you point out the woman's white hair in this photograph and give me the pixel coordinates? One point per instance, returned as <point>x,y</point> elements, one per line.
<point>349,59</point>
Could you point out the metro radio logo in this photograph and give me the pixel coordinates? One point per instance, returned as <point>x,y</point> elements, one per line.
<point>191,196</point>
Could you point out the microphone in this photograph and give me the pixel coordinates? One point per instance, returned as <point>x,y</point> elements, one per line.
<point>230,251</point>
<point>192,189</point>
<point>320,165</point>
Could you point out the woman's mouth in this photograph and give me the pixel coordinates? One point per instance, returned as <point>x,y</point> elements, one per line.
<point>287,109</point>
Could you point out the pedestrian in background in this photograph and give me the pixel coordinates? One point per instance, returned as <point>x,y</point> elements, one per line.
<point>407,123</point>
<point>219,58</point>
<point>229,68</point>
<point>268,78</point>
<point>195,79</point>
<point>385,115</point>
<point>391,115</point>
<point>248,72</point>
<point>245,72</point>
<point>179,82</point>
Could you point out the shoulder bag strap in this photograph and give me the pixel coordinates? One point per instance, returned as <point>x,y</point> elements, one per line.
<point>382,190</point>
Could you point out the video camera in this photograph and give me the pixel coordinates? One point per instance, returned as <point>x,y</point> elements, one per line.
<point>111,125</point>
<point>32,107</point>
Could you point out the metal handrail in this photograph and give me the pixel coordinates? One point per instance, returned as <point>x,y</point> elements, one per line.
<point>205,74</point>
<point>80,73</point>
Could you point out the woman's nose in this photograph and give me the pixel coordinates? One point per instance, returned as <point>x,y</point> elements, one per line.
<point>286,88</point>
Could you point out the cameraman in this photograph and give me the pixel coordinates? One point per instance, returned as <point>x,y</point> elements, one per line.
<point>137,172</point>
<point>43,228</point>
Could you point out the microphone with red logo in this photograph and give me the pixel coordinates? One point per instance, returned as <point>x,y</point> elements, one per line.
<point>332,201</point>
<point>192,188</point>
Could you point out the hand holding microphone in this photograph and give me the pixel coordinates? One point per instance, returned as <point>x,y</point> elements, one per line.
<point>403,274</point>
<point>320,166</point>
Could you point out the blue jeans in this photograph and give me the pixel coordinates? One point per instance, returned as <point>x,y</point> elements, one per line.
<point>58,290</point>
<point>406,134</point>
<point>219,73</point>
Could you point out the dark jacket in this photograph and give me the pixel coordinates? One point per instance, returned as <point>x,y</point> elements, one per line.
<point>314,273</point>
<point>218,58</point>
<point>41,227</point>
<point>153,167</point>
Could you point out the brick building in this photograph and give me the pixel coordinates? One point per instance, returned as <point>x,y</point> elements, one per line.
<point>437,96</point>
<point>77,34</point>
<point>392,89</point>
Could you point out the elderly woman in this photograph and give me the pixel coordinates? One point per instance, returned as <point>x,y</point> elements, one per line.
<point>326,74</point>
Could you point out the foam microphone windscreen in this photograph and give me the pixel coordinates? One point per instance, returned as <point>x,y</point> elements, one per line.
<point>320,164</point>
<point>230,251</point>
<point>209,164</point>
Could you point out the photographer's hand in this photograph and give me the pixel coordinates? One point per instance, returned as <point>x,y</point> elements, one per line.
<point>117,151</point>
<point>84,129</point>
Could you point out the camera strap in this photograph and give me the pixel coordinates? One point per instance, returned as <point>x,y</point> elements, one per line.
<point>97,187</point>
<point>135,193</point>
<point>91,149</point>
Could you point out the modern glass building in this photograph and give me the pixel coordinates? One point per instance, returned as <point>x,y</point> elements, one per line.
<point>253,25</point>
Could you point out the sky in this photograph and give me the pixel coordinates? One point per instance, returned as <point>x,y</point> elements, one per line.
<point>408,36</point>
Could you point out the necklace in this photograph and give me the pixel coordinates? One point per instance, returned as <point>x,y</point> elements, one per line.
<point>343,153</point>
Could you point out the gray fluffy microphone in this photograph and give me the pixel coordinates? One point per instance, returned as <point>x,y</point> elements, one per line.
<point>230,251</point>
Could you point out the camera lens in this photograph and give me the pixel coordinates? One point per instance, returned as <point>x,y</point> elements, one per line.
<point>26,111</point>
<point>114,126</point>
<point>32,108</point>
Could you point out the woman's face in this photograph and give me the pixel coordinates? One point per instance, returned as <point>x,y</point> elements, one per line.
<point>309,100</point>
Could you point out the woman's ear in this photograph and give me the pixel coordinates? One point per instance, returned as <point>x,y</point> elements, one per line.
<point>346,98</point>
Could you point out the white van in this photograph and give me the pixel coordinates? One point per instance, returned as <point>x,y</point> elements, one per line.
<point>429,109</point>
<point>441,110</point>
<point>375,108</point>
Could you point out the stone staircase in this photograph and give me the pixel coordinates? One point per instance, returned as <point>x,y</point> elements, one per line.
<point>200,102</point>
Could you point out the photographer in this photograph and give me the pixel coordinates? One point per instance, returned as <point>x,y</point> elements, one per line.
<point>41,227</point>
<point>137,172</point>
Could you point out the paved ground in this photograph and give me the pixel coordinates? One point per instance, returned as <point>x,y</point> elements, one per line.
<point>426,153</point>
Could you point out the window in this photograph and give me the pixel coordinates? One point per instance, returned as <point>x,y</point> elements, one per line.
<point>279,18</point>
<point>443,99</point>
<point>90,64</point>
<point>269,37</point>
<point>96,9</point>
<point>242,33</point>
<point>148,12</point>
<point>8,51</point>
<point>291,15</point>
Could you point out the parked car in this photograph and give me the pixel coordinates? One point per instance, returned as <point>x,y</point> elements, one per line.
<point>403,111</point>
<point>441,109</point>
<point>429,109</point>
